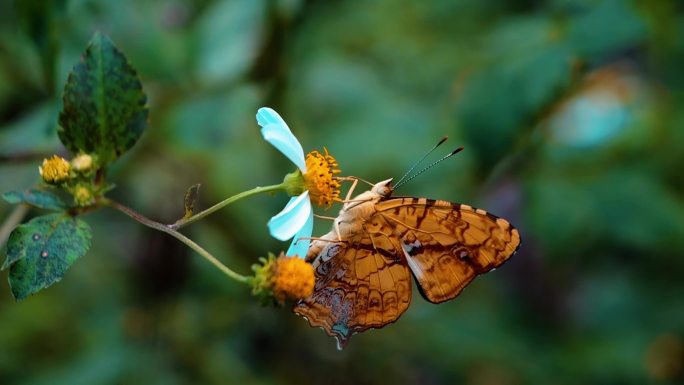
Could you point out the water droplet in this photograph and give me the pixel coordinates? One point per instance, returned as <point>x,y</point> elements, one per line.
<point>36,236</point>
<point>44,254</point>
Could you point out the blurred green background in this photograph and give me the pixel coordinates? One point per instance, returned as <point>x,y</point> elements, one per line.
<point>571,115</point>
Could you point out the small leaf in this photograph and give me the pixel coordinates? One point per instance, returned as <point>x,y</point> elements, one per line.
<point>40,251</point>
<point>36,198</point>
<point>190,200</point>
<point>104,104</point>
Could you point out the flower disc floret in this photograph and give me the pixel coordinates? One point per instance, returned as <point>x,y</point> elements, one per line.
<point>55,170</point>
<point>319,178</point>
<point>293,278</point>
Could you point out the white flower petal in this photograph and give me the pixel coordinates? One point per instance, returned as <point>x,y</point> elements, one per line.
<point>275,131</point>
<point>285,143</point>
<point>267,115</point>
<point>292,218</point>
<point>299,247</point>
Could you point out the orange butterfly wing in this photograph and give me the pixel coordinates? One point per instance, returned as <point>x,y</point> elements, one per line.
<point>446,244</point>
<point>360,284</point>
<point>363,282</point>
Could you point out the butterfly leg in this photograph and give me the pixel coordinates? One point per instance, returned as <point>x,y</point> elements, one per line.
<point>351,190</point>
<point>348,199</point>
<point>320,239</point>
<point>324,217</point>
<point>351,177</point>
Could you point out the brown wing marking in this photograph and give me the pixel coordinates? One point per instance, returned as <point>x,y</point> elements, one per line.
<point>446,244</point>
<point>360,284</point>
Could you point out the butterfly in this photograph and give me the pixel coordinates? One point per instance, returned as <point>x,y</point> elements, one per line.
<point>363,266</point>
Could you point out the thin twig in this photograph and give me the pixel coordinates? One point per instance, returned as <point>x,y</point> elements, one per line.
<point>257,190</point>
<point>168,230</point>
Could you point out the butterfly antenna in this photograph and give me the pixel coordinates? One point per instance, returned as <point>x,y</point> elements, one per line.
<point>447,156</point>
<point>444,139</point>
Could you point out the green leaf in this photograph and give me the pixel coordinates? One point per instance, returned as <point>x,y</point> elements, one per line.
<point>40,252</point>
<point>37,198</point>
<point>190,200</point>
<point>104,104</point>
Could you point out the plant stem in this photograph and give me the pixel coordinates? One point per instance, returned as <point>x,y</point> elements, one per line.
<point>16,215</point>
<point>172,232</point>
<point>257,190</point>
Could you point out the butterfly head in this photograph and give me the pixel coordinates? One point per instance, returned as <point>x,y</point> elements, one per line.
<point>367,199</point>
<point>384,188</point>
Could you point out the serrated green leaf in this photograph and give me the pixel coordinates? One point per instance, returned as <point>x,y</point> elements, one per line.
<point>190,200</point>
<point>37,198</point>
<point>40,251</point>
<point>104,104</point>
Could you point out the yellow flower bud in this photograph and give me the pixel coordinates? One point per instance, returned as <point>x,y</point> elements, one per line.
<point>55,170</point>
<point>82,163</point>
<point>82,195</point>
<point>292,279</point>
<point>283,278</point>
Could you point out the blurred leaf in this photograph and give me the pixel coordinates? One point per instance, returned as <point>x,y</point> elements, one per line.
<point>623,208</point>
<point>229,34</point>
<point>104,104</point>
<point>643,213</point>
<point>209,125</point>
<point>555,200</point>
<point>40,252</point>
<point>605,28</point>
<point>32,131</point>
<point>505,100</point>
<point>37,198</point>
<point>23,72</point>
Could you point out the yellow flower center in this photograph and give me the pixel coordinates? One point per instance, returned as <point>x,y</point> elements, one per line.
<point>320,178</point>
<point>55,169</point>
<point>292,278</point>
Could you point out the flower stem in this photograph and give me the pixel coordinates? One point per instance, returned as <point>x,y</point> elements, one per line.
<point>167,229</point>
<point>257,190</point>
<point>15,217</point>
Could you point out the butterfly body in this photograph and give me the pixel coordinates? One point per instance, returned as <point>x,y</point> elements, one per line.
<point>363,266</point>
<point>352,216</point>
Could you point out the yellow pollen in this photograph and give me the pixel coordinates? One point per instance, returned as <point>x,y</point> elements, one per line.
<point>320,178</point>
<point>293,278</point>
<point>55,170</point>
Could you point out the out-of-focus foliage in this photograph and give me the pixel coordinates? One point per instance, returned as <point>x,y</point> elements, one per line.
<point>570,113</point>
